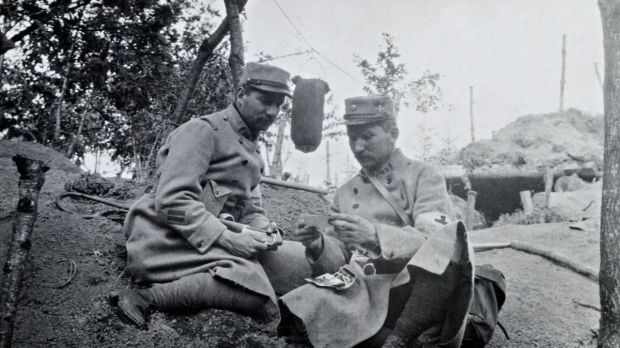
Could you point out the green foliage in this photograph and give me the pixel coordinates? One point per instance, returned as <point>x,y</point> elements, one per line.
<point>123,62</point>
<point>388,76</point>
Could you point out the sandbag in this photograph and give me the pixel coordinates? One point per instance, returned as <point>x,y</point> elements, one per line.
<point>308,113</point>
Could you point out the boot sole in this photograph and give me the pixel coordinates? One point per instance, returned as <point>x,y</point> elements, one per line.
<point>123,313</point>
<point>126,317</point>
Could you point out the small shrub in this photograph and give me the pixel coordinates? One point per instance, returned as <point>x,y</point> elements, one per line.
<point>539,215</point>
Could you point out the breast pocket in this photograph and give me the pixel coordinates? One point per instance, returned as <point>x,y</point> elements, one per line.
<point>214,196</point>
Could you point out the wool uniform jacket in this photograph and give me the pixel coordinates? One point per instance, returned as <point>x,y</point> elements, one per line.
<point>345,318</point>
<point>209,165</point>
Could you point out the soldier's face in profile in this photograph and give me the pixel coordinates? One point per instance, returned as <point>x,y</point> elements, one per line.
<point>259,109</point>
<point>371,144</point>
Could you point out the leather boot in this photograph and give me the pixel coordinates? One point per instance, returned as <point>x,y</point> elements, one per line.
<point>196,291</point>
<point>132,306</point>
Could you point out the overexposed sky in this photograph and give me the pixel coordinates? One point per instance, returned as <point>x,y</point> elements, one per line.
<point>509,51</point>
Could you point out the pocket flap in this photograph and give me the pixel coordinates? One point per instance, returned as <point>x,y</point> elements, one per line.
<point>219,190</point>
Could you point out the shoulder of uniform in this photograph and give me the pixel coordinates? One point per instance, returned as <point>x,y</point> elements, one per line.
<point>216,120</point>
<point>349,184</point>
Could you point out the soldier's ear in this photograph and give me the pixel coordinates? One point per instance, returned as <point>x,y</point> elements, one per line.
<point>393,133</point>
<point>241,92</point>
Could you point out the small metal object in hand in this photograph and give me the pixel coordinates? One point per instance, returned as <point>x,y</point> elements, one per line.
<point>341,280</point>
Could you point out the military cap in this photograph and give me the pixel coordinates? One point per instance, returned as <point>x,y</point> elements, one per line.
<point>266,78</point>
<point>368,109</point>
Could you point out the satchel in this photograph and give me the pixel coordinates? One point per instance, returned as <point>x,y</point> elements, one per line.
<point>489,297</point>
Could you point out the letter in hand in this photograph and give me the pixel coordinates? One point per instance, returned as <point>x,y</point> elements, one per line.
<point>354,231</point>
<point>309,234</point>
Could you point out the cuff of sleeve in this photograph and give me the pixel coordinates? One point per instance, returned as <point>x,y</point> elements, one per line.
<point>330,259</point>
<point>435,255</point>
<point>398,242</point>
<point>207,234</point>
<point>258,221</point>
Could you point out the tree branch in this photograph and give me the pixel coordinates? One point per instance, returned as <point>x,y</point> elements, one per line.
<point>235,60</point>
<point>204,53</point>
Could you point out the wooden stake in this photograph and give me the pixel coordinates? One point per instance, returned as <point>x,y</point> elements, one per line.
<point>548,185</point>
<point>526,201</point>
<point>235,60</point>
<point>471,210</point>
<point>31,180</point>
<point>563,79</point>
<point>598,76</point>
<point>471,113</point>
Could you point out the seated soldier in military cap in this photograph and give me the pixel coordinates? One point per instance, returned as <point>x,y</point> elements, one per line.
<point>176,244</point>
<point>391,226</point>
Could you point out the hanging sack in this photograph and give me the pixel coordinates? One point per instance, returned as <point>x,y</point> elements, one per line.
<point>489,297</point>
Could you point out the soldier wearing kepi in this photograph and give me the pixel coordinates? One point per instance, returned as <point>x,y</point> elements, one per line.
<point>210,166</point>
<point>392,227</point>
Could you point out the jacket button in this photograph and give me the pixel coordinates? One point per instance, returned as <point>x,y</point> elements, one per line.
<point>201,244</point>
<point>355,190</point>
<point>240,140</point>
<point>355,206</point>
<point>244,162</point>
<point>225,118</point>
<point>217,192</point>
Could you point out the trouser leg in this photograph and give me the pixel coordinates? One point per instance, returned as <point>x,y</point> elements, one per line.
<point>196,291</point>
<point>202,290</point>
<point>286,267</point>
<point>426,307</point>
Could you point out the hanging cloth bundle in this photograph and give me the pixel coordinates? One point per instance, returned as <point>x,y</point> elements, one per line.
<point>308,113</point>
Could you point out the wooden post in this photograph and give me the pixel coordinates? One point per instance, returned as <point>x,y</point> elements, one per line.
<point>235,60</point>
<point>205,52</point>
<point>609,278</point>
<point>563,78</point>
<point>526,201</point>
<point>598,77</point>
<point>471,113</point>
<point>276,163</point>
<point>328,176</point>
<point>548,185</point>
<point>31,179</point>
<point>471,210</point>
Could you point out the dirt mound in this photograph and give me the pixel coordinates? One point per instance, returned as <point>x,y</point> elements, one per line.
<point>9,148</point>
<point>569,137</point>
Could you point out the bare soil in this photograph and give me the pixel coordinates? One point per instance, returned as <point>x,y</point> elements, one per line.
<point>539,311</point>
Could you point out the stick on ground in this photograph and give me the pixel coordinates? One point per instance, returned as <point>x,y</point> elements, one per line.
<point>31,179</point>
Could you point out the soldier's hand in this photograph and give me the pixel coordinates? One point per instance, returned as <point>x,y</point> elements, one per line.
<point>310,237</point>
<point>245,244</point>
<point>354,231</point>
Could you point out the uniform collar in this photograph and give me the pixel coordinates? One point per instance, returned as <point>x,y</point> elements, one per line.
<point>238,124</point>
<point>387,167</point>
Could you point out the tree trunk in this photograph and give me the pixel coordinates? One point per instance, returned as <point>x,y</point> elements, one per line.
<point>5,44</point>
<point>80,126</point>
<point>276,164</point>
<point>609,283</point>
<point>235,60</point>
<point>60,100</point>
<point>31,180</point>
<point>204,53</point>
